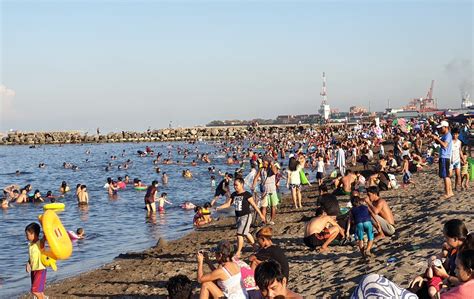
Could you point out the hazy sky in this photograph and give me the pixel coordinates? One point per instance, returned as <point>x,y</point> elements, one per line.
<point>123,65</point>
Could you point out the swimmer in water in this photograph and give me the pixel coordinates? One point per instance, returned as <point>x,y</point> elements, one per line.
<point>82,195</point>
<point>4,203</point>
<point>64,187</point>
<point>161,202</point>
<point>78,235</point>
<point>164,178</point>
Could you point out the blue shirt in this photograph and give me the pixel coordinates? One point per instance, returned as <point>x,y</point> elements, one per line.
<point>360,214</point>
<point>446,152</point>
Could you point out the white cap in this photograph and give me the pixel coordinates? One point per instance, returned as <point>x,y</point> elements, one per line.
<point>291,156</point>
<point>443,124</point>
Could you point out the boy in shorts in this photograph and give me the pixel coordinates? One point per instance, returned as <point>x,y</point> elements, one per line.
<point>321,231</point>
<point>34,265</point>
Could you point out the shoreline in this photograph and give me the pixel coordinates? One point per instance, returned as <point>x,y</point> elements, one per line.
<point>144,274</point>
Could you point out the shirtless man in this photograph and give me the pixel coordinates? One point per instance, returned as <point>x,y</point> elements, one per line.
<point>82,195</point>
<point>321,231</point>
<point>383,214</point>
<point>345,184</point>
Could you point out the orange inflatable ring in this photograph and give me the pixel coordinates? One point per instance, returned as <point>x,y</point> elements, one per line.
<point>60,245</point>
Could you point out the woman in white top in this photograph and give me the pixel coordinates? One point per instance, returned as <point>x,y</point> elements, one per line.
<point>228,275</point>
<point>294,180</point>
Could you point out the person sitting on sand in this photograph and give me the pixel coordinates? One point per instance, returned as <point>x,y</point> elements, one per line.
<point>227,274</point>
<point>272,282</point>
<point>269,251</point>
<point>381,210</point>
<point>434,281</point>
<point>179,287</point>
<point>345,184</point>
<point>458,239</point>
<point>199,219</point>
<point>321,231</point>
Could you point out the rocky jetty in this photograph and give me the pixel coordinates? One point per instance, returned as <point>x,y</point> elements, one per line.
<point>161,135</point>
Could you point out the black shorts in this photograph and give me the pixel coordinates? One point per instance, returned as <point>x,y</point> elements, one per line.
<point>319,175</point>
<point>219,192</point>
<point>444,165</point>
<point>312,241</point>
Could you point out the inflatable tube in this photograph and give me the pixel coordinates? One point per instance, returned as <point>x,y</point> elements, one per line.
<point>56,235</point>
<point>141,188</point>
<point>304,180</point>
<point>54,206</point>
<point>48,262</point>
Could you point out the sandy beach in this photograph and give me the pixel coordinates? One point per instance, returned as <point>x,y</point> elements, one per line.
<point>419,218</point>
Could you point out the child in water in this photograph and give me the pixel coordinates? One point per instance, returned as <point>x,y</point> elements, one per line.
<point>34,266</point>
<point>213,181</point>
<point>161,202</point>
<point>78,235</point>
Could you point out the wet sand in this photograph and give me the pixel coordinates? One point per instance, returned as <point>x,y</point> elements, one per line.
<point>419,216</point>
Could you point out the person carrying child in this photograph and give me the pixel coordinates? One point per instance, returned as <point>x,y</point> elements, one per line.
<point>34,265</point>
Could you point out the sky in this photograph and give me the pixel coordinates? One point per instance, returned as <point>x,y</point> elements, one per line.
<point>131,65</point>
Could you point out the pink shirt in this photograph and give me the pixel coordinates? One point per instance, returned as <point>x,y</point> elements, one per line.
<point>464,291</point>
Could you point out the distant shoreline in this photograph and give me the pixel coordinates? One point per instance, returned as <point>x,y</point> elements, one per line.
<point>160,135</point>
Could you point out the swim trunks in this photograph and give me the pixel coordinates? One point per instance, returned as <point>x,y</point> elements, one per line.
<point>161,209</point>
<point>38,280</point>
<point>316,239</point>
<point>243,224</point>
<point>444,165</point>
<point>295,186</point>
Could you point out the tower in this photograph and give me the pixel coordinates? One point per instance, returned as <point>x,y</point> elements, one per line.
<point>324,109</point>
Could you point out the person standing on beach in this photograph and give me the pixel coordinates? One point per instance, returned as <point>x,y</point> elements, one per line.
<point>456,155</point>
<point>269,197</point>
<point>340,159</point>
<point>242,201</point>
<point>446,143</point>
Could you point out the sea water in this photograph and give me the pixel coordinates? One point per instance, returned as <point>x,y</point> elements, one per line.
<point>112,226</point>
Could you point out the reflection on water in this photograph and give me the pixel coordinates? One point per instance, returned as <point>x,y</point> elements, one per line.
<point>113,224</point>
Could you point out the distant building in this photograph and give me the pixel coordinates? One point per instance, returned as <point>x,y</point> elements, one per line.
<point>356,110</point>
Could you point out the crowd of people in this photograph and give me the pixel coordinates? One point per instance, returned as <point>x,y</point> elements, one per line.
<point>352,165</point>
